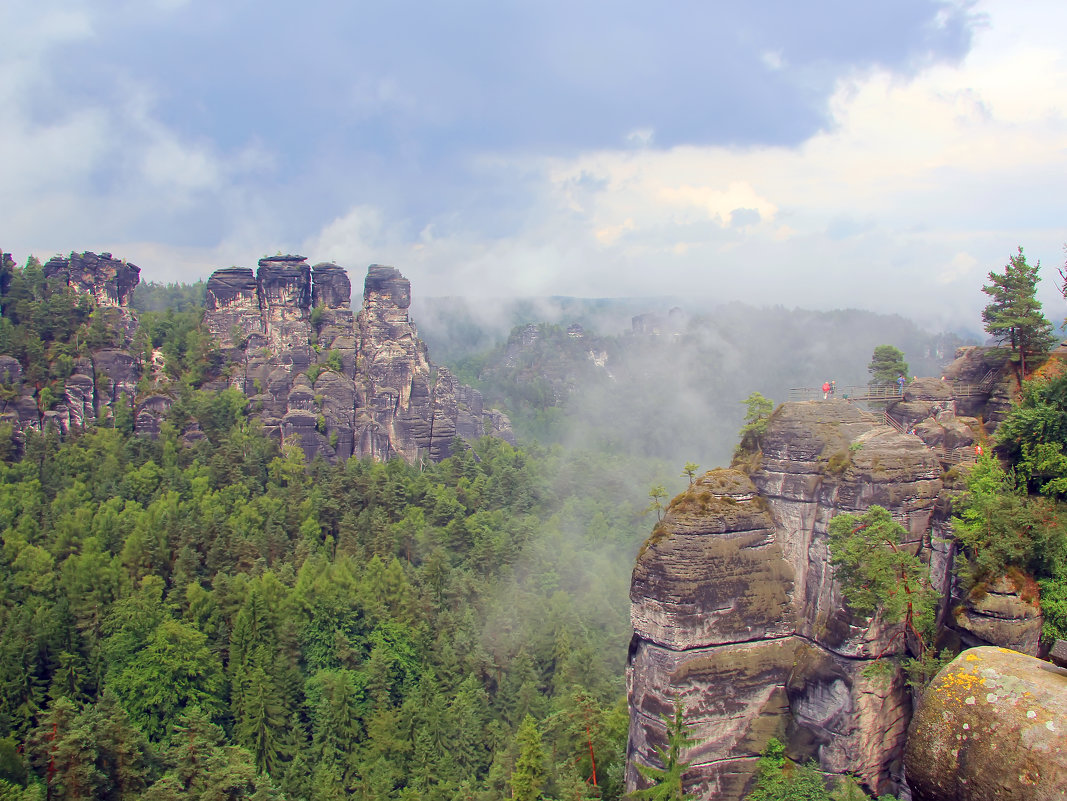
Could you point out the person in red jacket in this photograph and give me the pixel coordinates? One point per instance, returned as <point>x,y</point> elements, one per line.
<point>825,390</point>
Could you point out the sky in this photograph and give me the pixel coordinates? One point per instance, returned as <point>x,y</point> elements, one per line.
<point>824,154</point>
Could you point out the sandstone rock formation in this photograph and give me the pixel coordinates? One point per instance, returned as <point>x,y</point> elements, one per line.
<point>992,725</point>
<point>233,307</point>
<point>108,281</point>
<point>737,614</point>
<point>342,385</point>
<point>793,668</point>
<point>338,386</point>
<point>1003,613</point>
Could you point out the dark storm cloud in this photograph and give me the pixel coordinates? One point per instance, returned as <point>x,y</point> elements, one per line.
<point>409,88</point>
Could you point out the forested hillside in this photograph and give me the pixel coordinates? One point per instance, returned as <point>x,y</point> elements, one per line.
<point>203,614</point>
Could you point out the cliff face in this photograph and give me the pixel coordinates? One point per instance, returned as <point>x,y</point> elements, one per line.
<point>338,385</point>
<point>736,613</point>
<point>108,281</point>
<point>343,385</point>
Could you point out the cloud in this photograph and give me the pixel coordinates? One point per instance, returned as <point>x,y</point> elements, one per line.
<point>825,154</point>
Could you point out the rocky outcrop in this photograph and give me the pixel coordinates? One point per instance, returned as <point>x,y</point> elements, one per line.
<point>289,340</point>
<point>108,281</point>
<point>1005,612</point>
<point>736,611</point>
<point>284,284</point>
<point>986,368</point>
<point>339,384</point>
<point>990,726</point>
<point>234,312</point>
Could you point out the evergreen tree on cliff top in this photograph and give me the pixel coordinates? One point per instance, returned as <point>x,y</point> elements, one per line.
<point>1014,316</point>
<point>887,362</point>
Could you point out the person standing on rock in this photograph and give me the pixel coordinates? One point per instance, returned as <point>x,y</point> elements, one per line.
<point>900,383</point>
<point>825,390</point>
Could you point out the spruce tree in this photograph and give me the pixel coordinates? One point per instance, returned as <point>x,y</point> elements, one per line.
<point>529,773</point>
<point>667,784</point>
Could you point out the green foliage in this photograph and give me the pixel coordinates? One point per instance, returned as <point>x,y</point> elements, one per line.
<point>529,774</point>
<point>152,296</point>
<point>1034,435</point>
<point>333,361</point>
<point>1013,316</point>
<point>689,470</point>
<point>879,574</point>
<point>778,779</point>
<point>359,628</point>
<point>757,416</point>
<point>657,495</point>
<point>667,783</point>
<point>886,365</point>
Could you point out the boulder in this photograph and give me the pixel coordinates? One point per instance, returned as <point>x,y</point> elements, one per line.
<point>1006,613</point>
<point>992,726</point>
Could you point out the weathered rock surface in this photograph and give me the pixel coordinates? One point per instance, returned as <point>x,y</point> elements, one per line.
<point>736,611</point>
<point>374,394</point>
<point>234,311</point>
<point>108,281</point>
<point>991,726</point>
<point>338,386</point>
<point>284,284</point>
<point>1002,615</point>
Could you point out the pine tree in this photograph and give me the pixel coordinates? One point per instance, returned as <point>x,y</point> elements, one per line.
<point>887,363</point>
<point>1014,316</point>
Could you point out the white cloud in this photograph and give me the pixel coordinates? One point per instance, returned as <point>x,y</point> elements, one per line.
<point>937,167</point>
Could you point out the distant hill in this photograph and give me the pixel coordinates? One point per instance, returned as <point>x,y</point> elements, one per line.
<point>648,377</point>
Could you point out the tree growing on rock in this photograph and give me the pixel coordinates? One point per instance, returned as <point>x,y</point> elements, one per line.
<point>880,575</point>
<point>667,781</point>
<point>657,495</point>
<point>690,470</point>
<point>757,414</point>
<point>1013,316</point>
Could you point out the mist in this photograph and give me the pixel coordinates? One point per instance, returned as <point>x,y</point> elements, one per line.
<point>673,389</point>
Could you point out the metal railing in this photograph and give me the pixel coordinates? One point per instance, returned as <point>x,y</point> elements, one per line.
<point>892,393</point>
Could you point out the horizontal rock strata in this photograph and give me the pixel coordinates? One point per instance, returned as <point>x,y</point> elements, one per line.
<point>736,612</point>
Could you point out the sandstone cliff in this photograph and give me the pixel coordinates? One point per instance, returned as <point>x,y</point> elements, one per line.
<point>736,611</point>
<point>342,384</point>
<point>338,384</point>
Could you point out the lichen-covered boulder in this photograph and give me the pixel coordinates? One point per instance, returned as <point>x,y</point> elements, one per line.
<point>992,726</point>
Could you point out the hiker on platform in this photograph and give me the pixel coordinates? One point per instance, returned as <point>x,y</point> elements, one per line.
<point>825,390</point>
<point>900,384</point>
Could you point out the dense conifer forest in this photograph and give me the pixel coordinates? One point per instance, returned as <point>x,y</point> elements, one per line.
<point>211,617</point>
